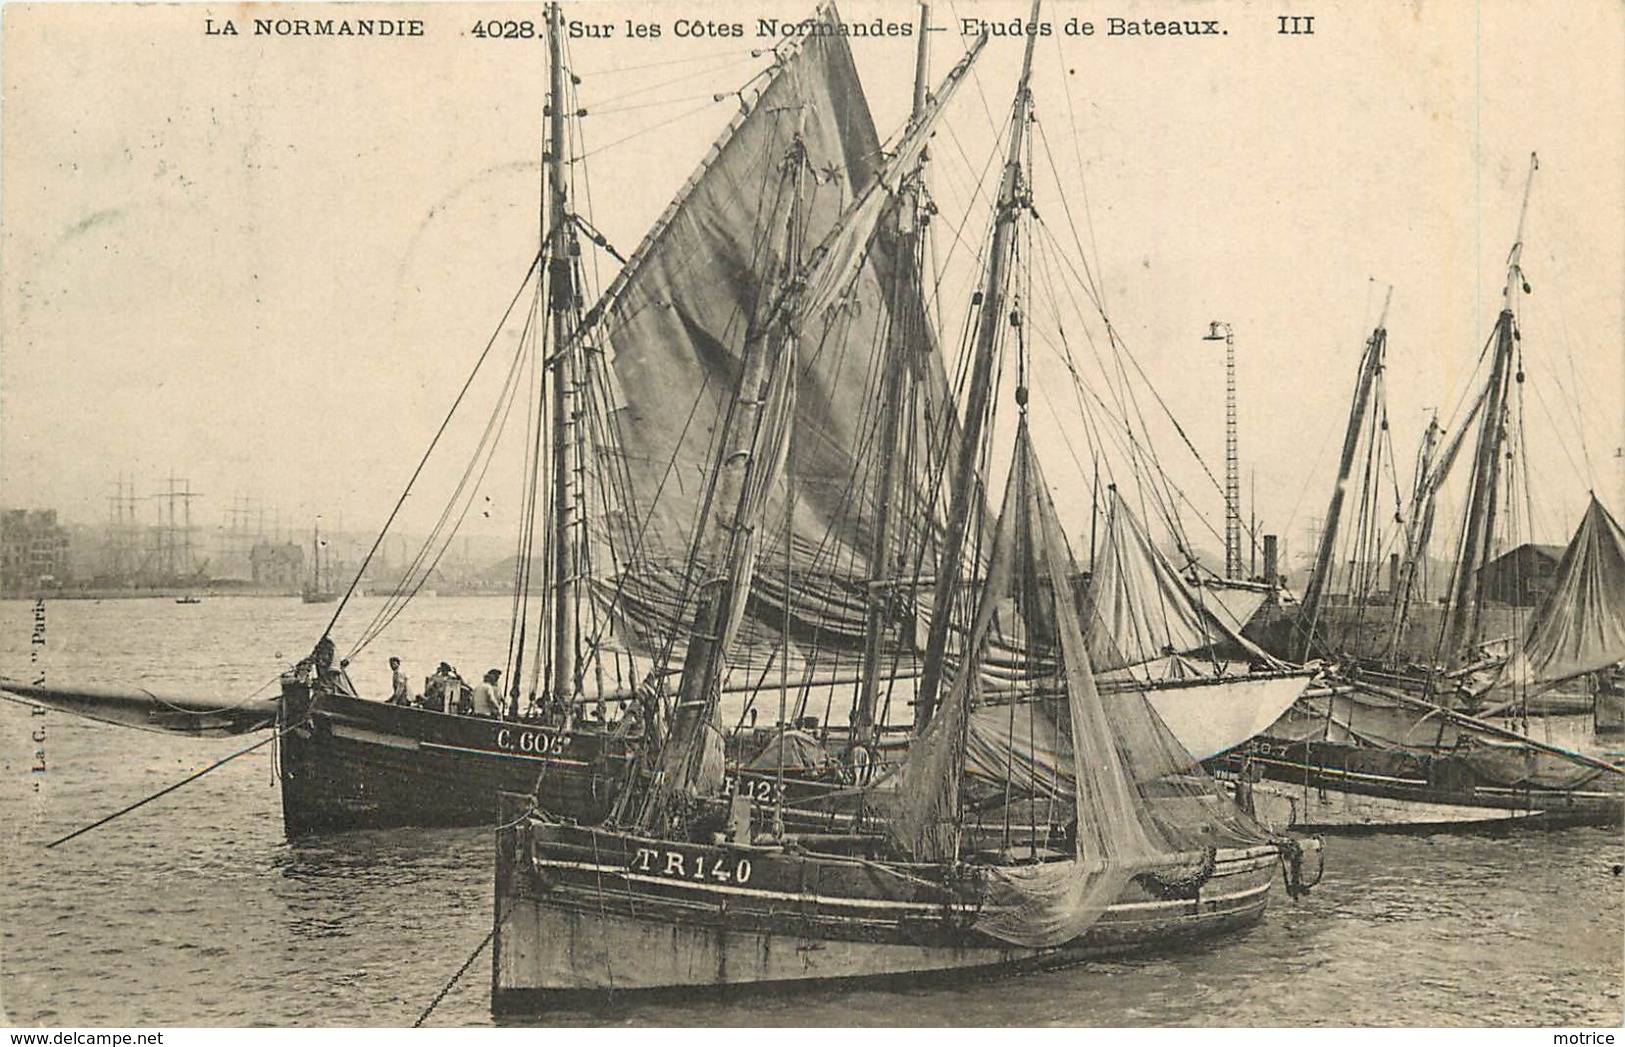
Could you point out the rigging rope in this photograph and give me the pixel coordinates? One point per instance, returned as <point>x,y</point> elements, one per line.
<point>535,267</point>
<point>184,781</point>
<point>455,978</point>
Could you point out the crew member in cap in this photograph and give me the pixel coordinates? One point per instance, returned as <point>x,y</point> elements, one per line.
<point>487,700</point>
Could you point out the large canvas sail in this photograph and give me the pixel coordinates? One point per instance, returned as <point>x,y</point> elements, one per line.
<point>676,323</point>
<point>1579,626</point>
<point>1138,610</point>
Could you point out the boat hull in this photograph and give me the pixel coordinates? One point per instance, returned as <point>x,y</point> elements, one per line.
<point>346,763</point>
<point>1326,787</point>
<point>583,913</point>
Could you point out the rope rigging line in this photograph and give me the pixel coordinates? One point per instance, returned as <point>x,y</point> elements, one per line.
<point>1121,350</point>
<point>535,424</point>
<point>1082,182</point>
<point>620,69</point>
<point>166,790</point>
<point>1138,452</point>
<point>455,978</point>
<point>652,127</point>
<point>485,447</point>
<point>535,267</point>
<point>597,107</point>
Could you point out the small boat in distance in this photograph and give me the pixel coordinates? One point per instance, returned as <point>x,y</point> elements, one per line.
<point>188,599</point>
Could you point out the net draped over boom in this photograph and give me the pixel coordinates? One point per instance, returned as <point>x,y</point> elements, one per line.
<point>1130,799</point>
<point>1407,739</point>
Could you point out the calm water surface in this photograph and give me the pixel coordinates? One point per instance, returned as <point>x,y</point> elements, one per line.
<point>195,910</point>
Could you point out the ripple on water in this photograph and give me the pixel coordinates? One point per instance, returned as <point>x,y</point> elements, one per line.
<point>201,913</point>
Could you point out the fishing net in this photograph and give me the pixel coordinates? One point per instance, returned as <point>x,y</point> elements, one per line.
<point>1043,746</point>
<point>1399,738</point>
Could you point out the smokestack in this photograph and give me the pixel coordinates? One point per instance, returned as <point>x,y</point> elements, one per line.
<point>1272,576</point>
<point>1393,575</point>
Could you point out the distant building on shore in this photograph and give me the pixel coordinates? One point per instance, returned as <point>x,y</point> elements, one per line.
<point>1523,575</point>
<point>33,551</point>
<point>280,565</point>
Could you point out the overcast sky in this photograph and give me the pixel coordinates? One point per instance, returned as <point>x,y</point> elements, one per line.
<point>265,264</point>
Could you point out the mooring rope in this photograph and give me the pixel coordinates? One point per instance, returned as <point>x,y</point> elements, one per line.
<point>445,989</point>
<point>166,790</point>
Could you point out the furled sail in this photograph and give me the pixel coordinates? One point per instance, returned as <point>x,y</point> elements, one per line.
<point>1579,626</point>
<point>677,320</point>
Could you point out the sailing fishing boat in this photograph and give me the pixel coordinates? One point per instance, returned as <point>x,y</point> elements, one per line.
<point>1390,745</point>
<point>610,471</point>
<point>633,402</point>
<point>1070,827</point>
<point>1110,840</point>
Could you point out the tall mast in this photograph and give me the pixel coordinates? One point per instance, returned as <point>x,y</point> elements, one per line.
<point>922,57</point>
<point>1370,366</point>
<point>560,305</point>
<point>727,525</point>
<point>1476,548</point>
<point>989,318</point>
<point>1417,533</point>
<point>898,367</point>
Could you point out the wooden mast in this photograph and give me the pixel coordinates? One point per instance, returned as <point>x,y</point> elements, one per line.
<point>1370,367</point>
<point>1417,533</point>
<point>726,520</point>
<point>560,308</point>
<point>898,367</point>
<point>991,316</point>
<point>1477,545</point>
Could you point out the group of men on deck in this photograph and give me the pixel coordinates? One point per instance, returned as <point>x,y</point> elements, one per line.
<point>445,691</point>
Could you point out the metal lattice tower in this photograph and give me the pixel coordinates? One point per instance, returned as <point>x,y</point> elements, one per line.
<point>1219,330</point>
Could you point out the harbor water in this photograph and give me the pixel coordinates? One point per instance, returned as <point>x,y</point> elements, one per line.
<point>194,910</point>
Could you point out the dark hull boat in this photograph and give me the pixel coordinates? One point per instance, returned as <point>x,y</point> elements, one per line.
<point>1359,759</point>
<point>347,763</point>
<point>584,913</point>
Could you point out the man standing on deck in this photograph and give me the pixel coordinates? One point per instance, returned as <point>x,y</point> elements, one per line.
<point>400,692</point>
<point>487,702</point>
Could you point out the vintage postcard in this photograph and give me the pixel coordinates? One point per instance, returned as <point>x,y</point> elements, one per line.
<point>684,513</point>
